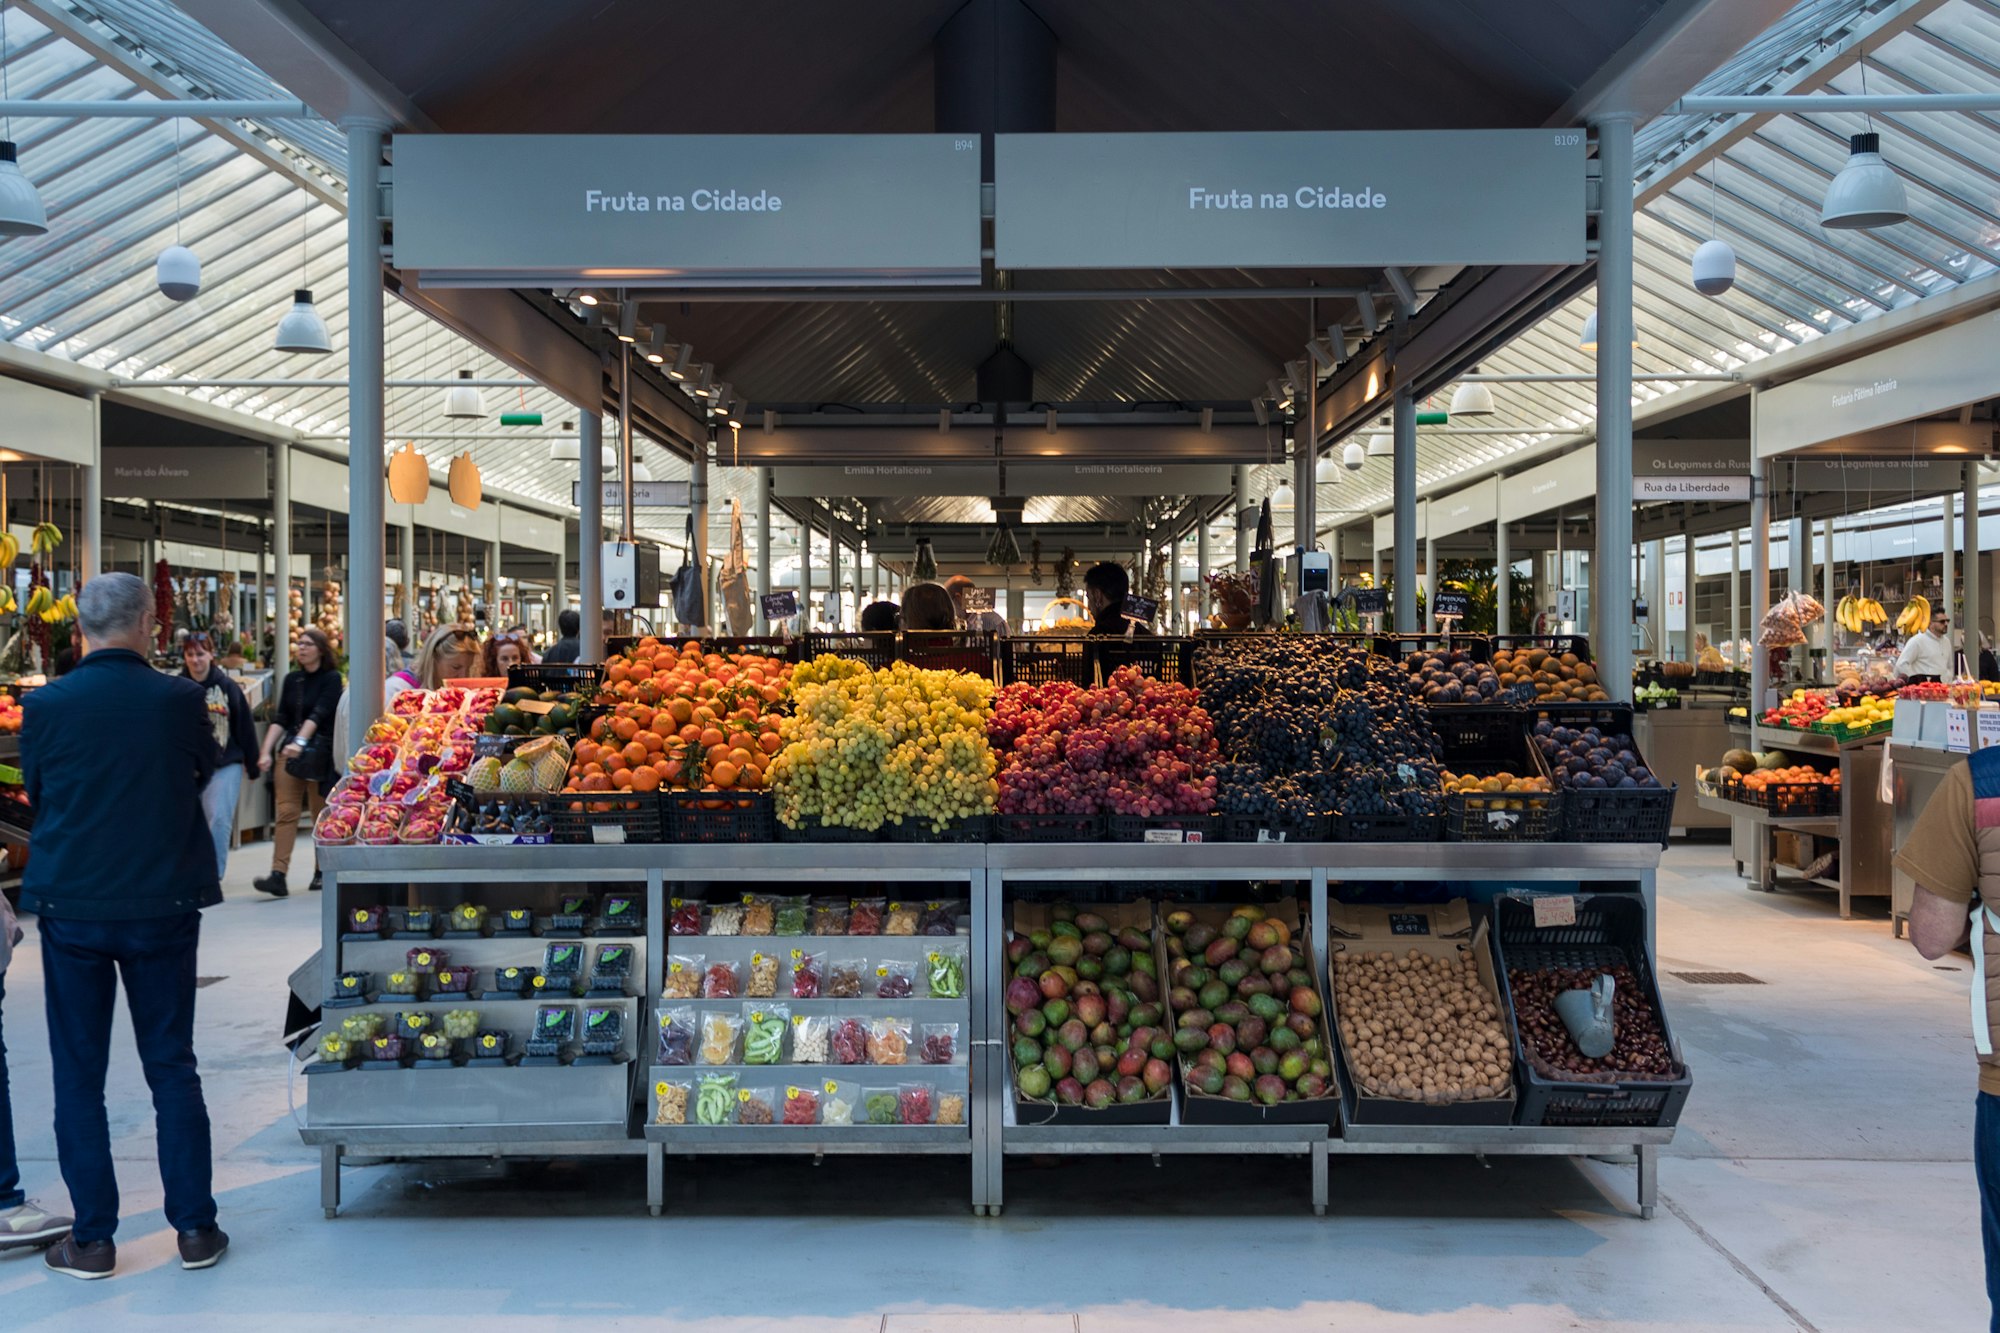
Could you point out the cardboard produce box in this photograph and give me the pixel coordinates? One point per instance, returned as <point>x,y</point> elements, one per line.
<point>1157,1107</point>
<point>1441,930</point>
<point>1209,1108</point>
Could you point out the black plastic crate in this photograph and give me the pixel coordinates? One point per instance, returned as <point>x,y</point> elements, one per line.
<point>1483,734</point>
<point>972,651</point>
<point>877,649</point>
<point>1385,828</point>
<point>1555,643</point>
<point>1610,814</point>
<point>1048,828</point>
<point>720,816</point>
<point>969,828</point>
<point>813,830</point>
<point>1031,660</point>
<point>1163,657</point>
<point>606,816</point>
<point>1164,828</point>
<point>1255,828</point>
<point>581,677</point>
<point>1609,929</point>
<point>1215,649</point>
<point>1402,647</point>
<point>1483,742</point>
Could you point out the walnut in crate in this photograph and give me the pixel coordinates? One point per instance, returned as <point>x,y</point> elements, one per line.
<point>1639,1049</point>
<point>1421,1028</point>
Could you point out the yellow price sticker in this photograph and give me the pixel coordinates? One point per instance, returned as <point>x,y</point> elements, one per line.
<point>895,907</point>
<point>673,969</point>
<point>798,956</point>
<point>749,898</point>
<point>361,917</point>
<point>882,971</point>
<point>756,958</point>
<point>798,1020</point>
<point>743,1094</point>
<point>831,1087</point>
<point>757,1016</point>
<point>660,1088</point>
<point>936,957</point>
<point>791,1092</point>
<point>540,982</point>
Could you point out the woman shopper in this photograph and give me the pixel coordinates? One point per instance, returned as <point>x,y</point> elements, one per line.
<point>451,651</point>
<point>235,741</point>
<point>304,724</point>
<point>509,648</point>
<point>927,606</point>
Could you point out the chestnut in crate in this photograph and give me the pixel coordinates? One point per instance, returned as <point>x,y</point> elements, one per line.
<point>1639,1047</point>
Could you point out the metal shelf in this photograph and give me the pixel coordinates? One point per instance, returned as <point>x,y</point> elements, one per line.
<point>814,1141</point>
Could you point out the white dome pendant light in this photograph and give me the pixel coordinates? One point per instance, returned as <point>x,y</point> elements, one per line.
<point>1472,399</point>
<point>1326,472</point>
<point>302,330</point>
<point>178,270</point>
<point>1714,264</point>
<point>1382,444</point>
<point>1282,497</point>
<point>464,400</point>
<point>1353,456</point>
<point>21,211</point>
<point>1867,192</point>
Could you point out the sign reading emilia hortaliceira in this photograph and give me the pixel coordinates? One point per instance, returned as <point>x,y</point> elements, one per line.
<point>1289,200</point>
<point>684,210</point>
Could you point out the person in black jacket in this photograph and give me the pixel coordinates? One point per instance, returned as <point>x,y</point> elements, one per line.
<point>235,741</point>
<point>114,756</point>
<point>306,707</point>
<point>566,648</point>
<point>1105,587</point>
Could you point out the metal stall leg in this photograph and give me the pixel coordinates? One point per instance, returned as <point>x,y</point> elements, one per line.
<point>656,1178</point>
<point>1320,1151</point>
<point>329,1179</point>
<point>989,1065</point>
<point>1649,1179</point>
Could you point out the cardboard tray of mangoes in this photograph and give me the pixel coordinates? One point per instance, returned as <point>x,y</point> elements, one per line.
<point>1251,971</point>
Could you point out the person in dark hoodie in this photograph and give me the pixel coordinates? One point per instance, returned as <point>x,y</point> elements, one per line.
<point>237,753</point>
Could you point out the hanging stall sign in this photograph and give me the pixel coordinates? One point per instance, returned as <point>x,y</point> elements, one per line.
<point>1281,199</point>
<point>1687,489</point>
<point>221,472</point>
<point>1369,601</point>
<point>1141,610</point>
<point>1450,606</point>
<point>645,494</point>
<point>1890,478</point>
<point>732,209</point>
<point>1149,479</point>
<point>1919,378</point>
<point>873,480</point>
<point>780,605</point>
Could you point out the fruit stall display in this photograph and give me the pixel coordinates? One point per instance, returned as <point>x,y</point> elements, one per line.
<point>1556,677</point>
<point>794,1012</point>
<point>682,718</point>
<point>395,790</point>
<point>1782,784</point>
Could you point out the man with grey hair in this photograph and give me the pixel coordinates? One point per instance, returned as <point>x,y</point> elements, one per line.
<point>108,913</point>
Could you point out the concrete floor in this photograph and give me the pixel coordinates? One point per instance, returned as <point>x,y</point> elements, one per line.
<point>1821,1180</point>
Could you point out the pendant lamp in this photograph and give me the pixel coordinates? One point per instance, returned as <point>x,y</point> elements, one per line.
<point>1713,268</point>
<point>1353,456</point>
<point>178,273</point>
<point>1867,192</point>
<point>463,482</point>
<point>302,330</point>
<point>21,211</point>
<point>1587,342</point>
<point>464,400</point>
<point>409,476</point>
<point>1382,444</point>
<point>1326,472</point>
<point>1472,399</point>
<point>1282,497</point>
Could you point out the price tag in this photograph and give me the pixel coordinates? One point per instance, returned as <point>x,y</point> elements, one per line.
<point>1989,727</point>
<point>607,834</point>
<point>1165,835</point>
<point>660,1089</point>
<point>791,1093</point>
<point>798,956</point>
<point>831,1087</point>
<point>743,1094</point>
<point>1555,910</point>
<point>798,1021</point>
<point>756,1015</point>
<point>1141,610</point>
<point>1370,601</point>
<point>673,969</point>
<point>882,971</point>
<point>756,958</point>
<point>895,907</point>
<point>978,599</point>
<point>780,605</point>
<point>1267,835</point>
<point>1957,730</point>
<point>535,706</point>
<point>1409,923</point>
<point>1450,606</point>
<point>539,982</point>
<point>1405,773</point>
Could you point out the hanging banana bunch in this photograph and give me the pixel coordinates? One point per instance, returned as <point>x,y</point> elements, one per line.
<point>10,550</point>
<point>40,601</point>
<point>7,604</point>
<point>1856,614</point>
<point>1915,616</point>
<point>45,538</point>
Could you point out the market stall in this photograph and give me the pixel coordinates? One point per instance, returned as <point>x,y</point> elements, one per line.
<point>894,909</point>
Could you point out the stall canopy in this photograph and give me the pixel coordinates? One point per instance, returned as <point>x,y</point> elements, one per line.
<point>263,202</point>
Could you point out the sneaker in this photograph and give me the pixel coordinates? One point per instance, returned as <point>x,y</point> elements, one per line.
<point>89,1261</point>
<point>273,884</point>
<point>28,1226</point>
<point>203,1248</point>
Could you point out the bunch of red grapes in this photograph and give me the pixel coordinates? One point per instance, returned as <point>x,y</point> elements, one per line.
<point>1137,746</point>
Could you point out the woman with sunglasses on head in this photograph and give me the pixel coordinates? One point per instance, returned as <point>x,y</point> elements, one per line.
<point>235,741</point>
<point>451,652</point>
<point>509,648</point>
<point>304,721</point>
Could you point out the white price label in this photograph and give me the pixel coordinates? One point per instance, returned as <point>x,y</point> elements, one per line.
<point>1957,730</point>
<point>1988,727</point>
<point>1555,910</point>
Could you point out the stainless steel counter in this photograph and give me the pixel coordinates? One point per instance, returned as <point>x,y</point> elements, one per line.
<point>1673,741</point>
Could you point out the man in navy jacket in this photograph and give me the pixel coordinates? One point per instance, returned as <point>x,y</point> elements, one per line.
<point>114,756</point>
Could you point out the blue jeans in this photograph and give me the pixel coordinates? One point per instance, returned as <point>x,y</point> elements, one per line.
<point>1986,1165</point>
<point>81,964</point>
<point>10,1167</point>
<point>218,807</point>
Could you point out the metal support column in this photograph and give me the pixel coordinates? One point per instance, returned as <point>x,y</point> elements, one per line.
<point>281,563</point>
<point>1200,575</point>
<point>1760,586</point>
<point>366,422</point>
<point>493,621</point>
<point>627,529</point>
<point>1503,574</point>
<point>698,555</point>
<point>1430,574</point>
<point>1174,615</point>
<point>763,546</point>
<point>406,565</point>
<point>1611,593</point>
<point>1405,471</point>
<point>1826,597</point>
<point>590,535</point>
<point>91,558</point>
<point>1246,520</point>
<point>1735,590</point>
<point>1942,603</point>
<point>1973,580</point>
<point>832,577</point>
<point>806,621</point>
<point>1334,557</point>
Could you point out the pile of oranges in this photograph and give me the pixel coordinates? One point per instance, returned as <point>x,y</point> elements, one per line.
<point>682,718</point>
